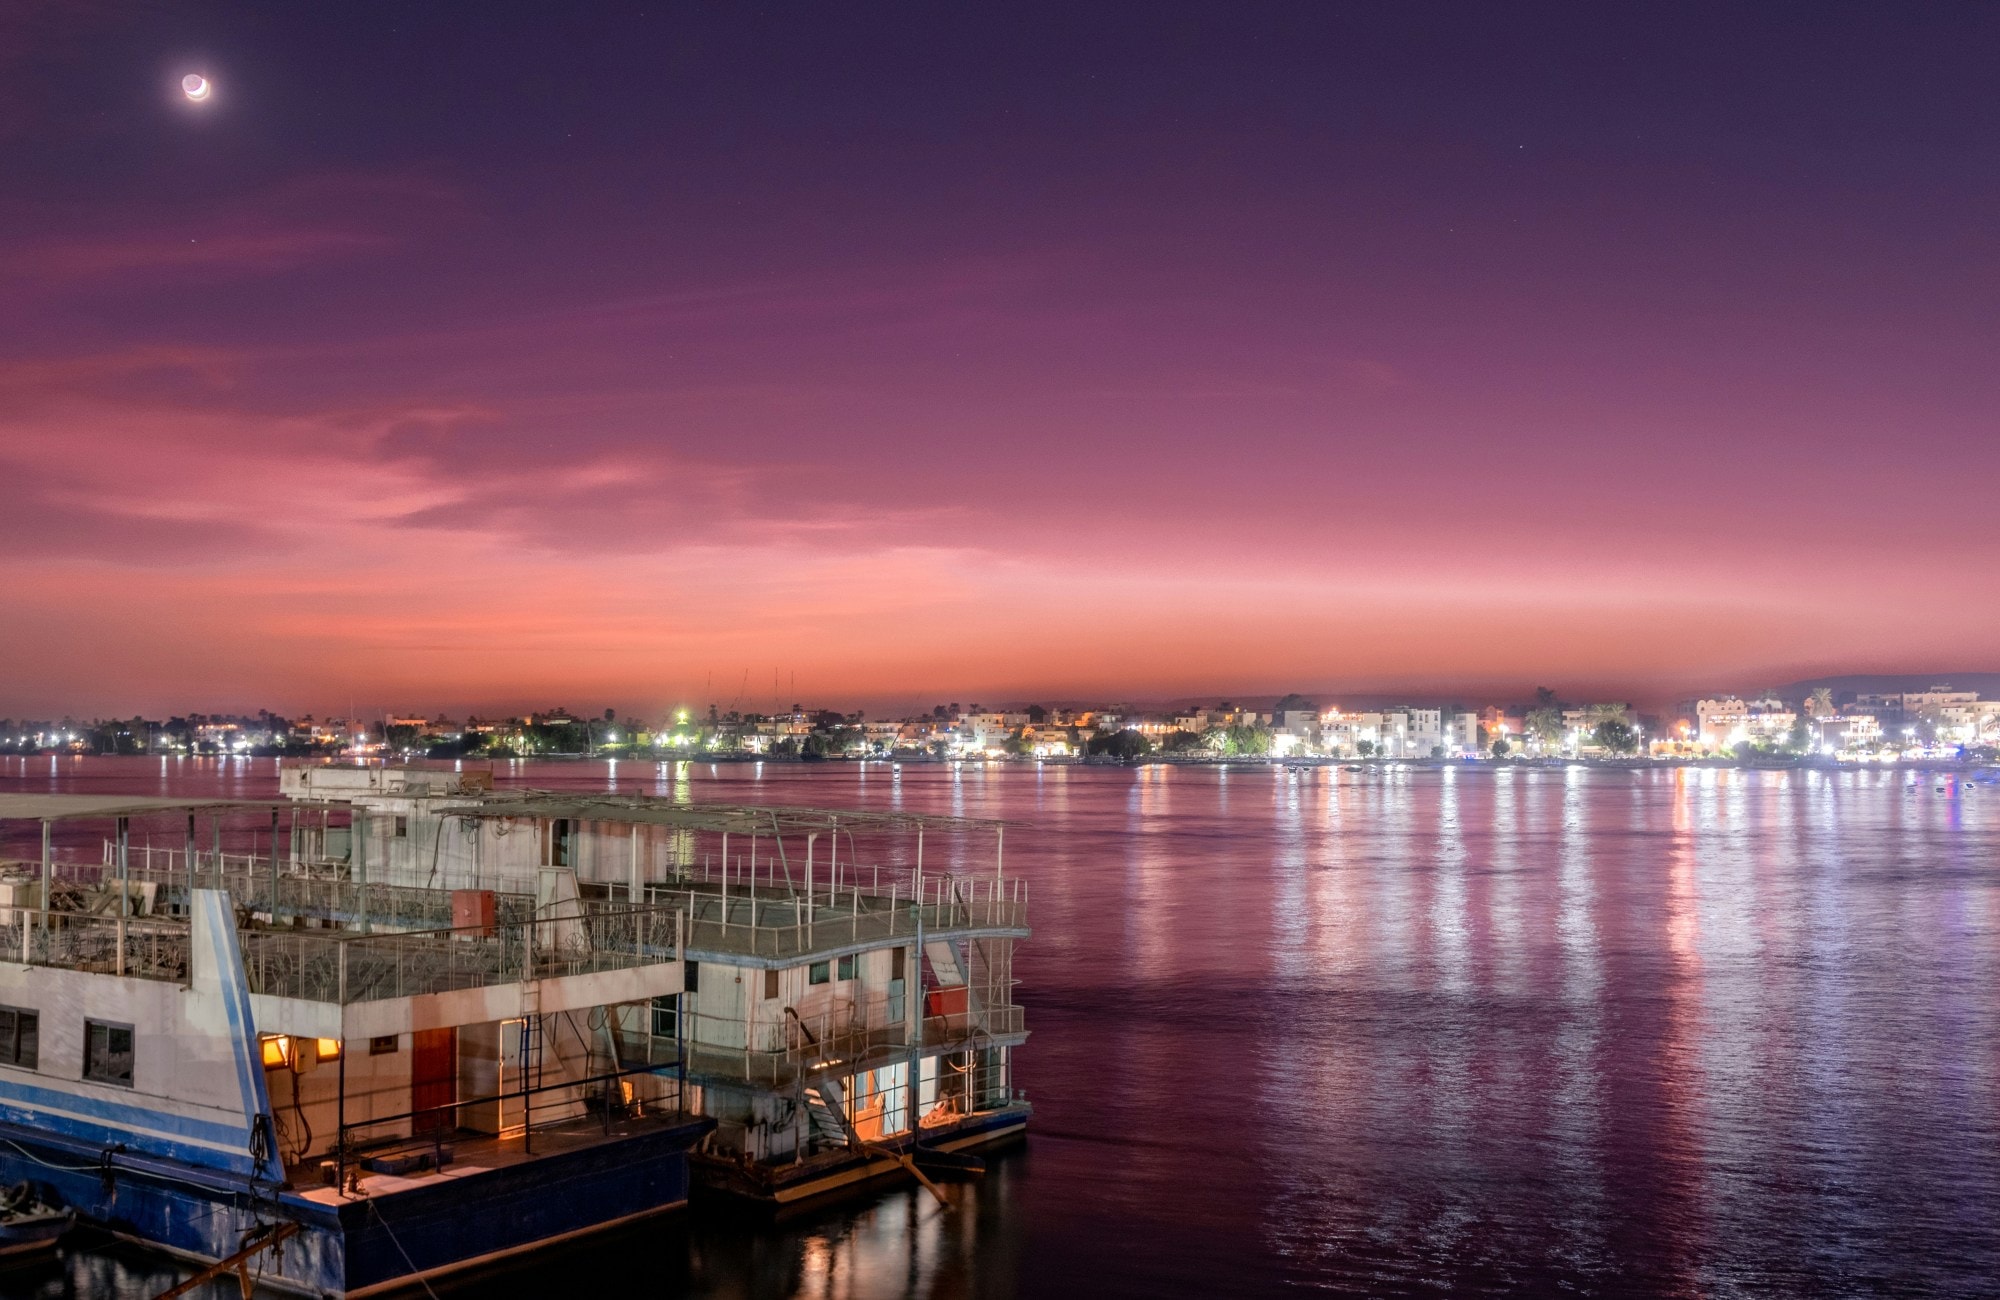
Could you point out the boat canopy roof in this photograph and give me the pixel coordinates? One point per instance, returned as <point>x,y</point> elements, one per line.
<point>64,807</point>
<point>745,819</point>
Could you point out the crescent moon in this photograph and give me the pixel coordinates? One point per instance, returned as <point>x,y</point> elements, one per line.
<point>196,87</point>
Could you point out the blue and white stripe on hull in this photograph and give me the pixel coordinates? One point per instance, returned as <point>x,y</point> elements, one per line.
<point>355,1246</point>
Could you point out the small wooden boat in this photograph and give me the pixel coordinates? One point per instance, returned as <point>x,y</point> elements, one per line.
<point>940,1163</point>
<point>28,1223</point>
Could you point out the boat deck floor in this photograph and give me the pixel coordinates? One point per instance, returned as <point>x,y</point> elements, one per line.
<point>478,1153</point>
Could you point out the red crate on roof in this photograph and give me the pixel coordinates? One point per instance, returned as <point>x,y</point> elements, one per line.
<point>473,909</point>
<point>947,1001</point>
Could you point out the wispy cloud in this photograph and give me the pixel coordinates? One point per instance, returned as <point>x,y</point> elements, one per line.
<point>239,252</point>
<point>303,221</point>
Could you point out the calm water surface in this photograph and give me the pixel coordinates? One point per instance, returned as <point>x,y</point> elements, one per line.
<point>1405,1032</point>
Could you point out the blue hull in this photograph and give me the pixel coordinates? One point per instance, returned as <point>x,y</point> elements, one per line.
<point>374,1243</point>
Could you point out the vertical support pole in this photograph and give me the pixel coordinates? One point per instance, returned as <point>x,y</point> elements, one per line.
<point>48,876</point>
<point>811,903</point>
<point>725,882</point>
<point>124,885</point>
<point>215,835</point>
<point>999,851</point>
<point>340,1096</point>
<point>187,856</point>
<point>680,1018</point>
<point>274,867</point>
<point>637,887</point>
<point>914,1029</point>
<point>357,839</point>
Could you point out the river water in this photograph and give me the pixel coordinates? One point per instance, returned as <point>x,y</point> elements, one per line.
<point>1403,1031</point>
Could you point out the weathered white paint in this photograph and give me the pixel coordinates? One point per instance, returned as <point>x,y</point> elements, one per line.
<point>458,1007</point>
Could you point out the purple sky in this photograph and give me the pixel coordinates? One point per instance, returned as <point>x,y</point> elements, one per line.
<point>924,353</point>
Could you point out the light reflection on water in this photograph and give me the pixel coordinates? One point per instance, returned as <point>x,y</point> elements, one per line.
<point>1411,1031</point>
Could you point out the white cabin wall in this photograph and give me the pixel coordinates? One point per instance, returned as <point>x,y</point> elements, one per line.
<point>377,1087</point>
<point>568,1044</point>
<point>178,1065</point>
<point>837,1002</point>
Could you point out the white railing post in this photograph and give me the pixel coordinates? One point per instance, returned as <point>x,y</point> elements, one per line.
<point>812,905</point>
<point>48,880</point>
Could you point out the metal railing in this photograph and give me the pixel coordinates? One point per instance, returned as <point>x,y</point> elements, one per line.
<point>771,922</point>
<point>323,966</point>
<point>781,1046</point>
<point>138,947</point>
<point>319,890</point>
<point>432,1128</point>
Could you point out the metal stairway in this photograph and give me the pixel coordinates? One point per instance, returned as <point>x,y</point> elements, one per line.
<point>827,1112</point>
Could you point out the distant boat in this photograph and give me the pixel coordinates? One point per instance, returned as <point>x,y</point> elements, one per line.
<point>28,1223</point>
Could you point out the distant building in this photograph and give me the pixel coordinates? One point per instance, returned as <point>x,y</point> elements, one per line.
<point>1410,732</point>
<point>1723,724</point>
<point>1849,733</point>
<point>1502,724</point>
<point>1295,727</point>
<point>1461,734</point>
<point>1342,734</point>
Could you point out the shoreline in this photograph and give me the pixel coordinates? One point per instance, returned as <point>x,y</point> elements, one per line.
<point>1304,761</point>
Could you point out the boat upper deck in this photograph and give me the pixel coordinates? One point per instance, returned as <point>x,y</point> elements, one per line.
<point>765,924</point>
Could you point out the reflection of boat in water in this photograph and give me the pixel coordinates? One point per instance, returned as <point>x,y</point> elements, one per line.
<point>940,1163</point>
<point>28,1223</point>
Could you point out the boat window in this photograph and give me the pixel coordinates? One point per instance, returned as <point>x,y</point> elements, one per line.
<point>107,1052</point>
<point>402,828</point>
<point>666,1017</point>
<point>770,984</point>
<point>847,967</point>
<point>896,957</point>
<point>20,1037</point>
<point>385,1045</point>
<point>691,977</point>
<point>816,973</point>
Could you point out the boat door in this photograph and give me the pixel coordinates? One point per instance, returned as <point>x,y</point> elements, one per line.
<point>721,1005</point>
<point>434,1079</point>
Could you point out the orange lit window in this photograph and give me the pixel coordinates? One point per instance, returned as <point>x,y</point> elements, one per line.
<point>277,1050</point>
<point>329,1049</point>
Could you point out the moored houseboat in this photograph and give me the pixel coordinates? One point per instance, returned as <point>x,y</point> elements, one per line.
<point>837,1019</point>
<point>345,1086</point>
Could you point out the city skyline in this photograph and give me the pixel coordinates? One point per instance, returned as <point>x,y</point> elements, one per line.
<point>1045,354</point>
<point>787,695</point>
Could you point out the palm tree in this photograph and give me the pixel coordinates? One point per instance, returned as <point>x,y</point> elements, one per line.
<point>1545,724</point>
